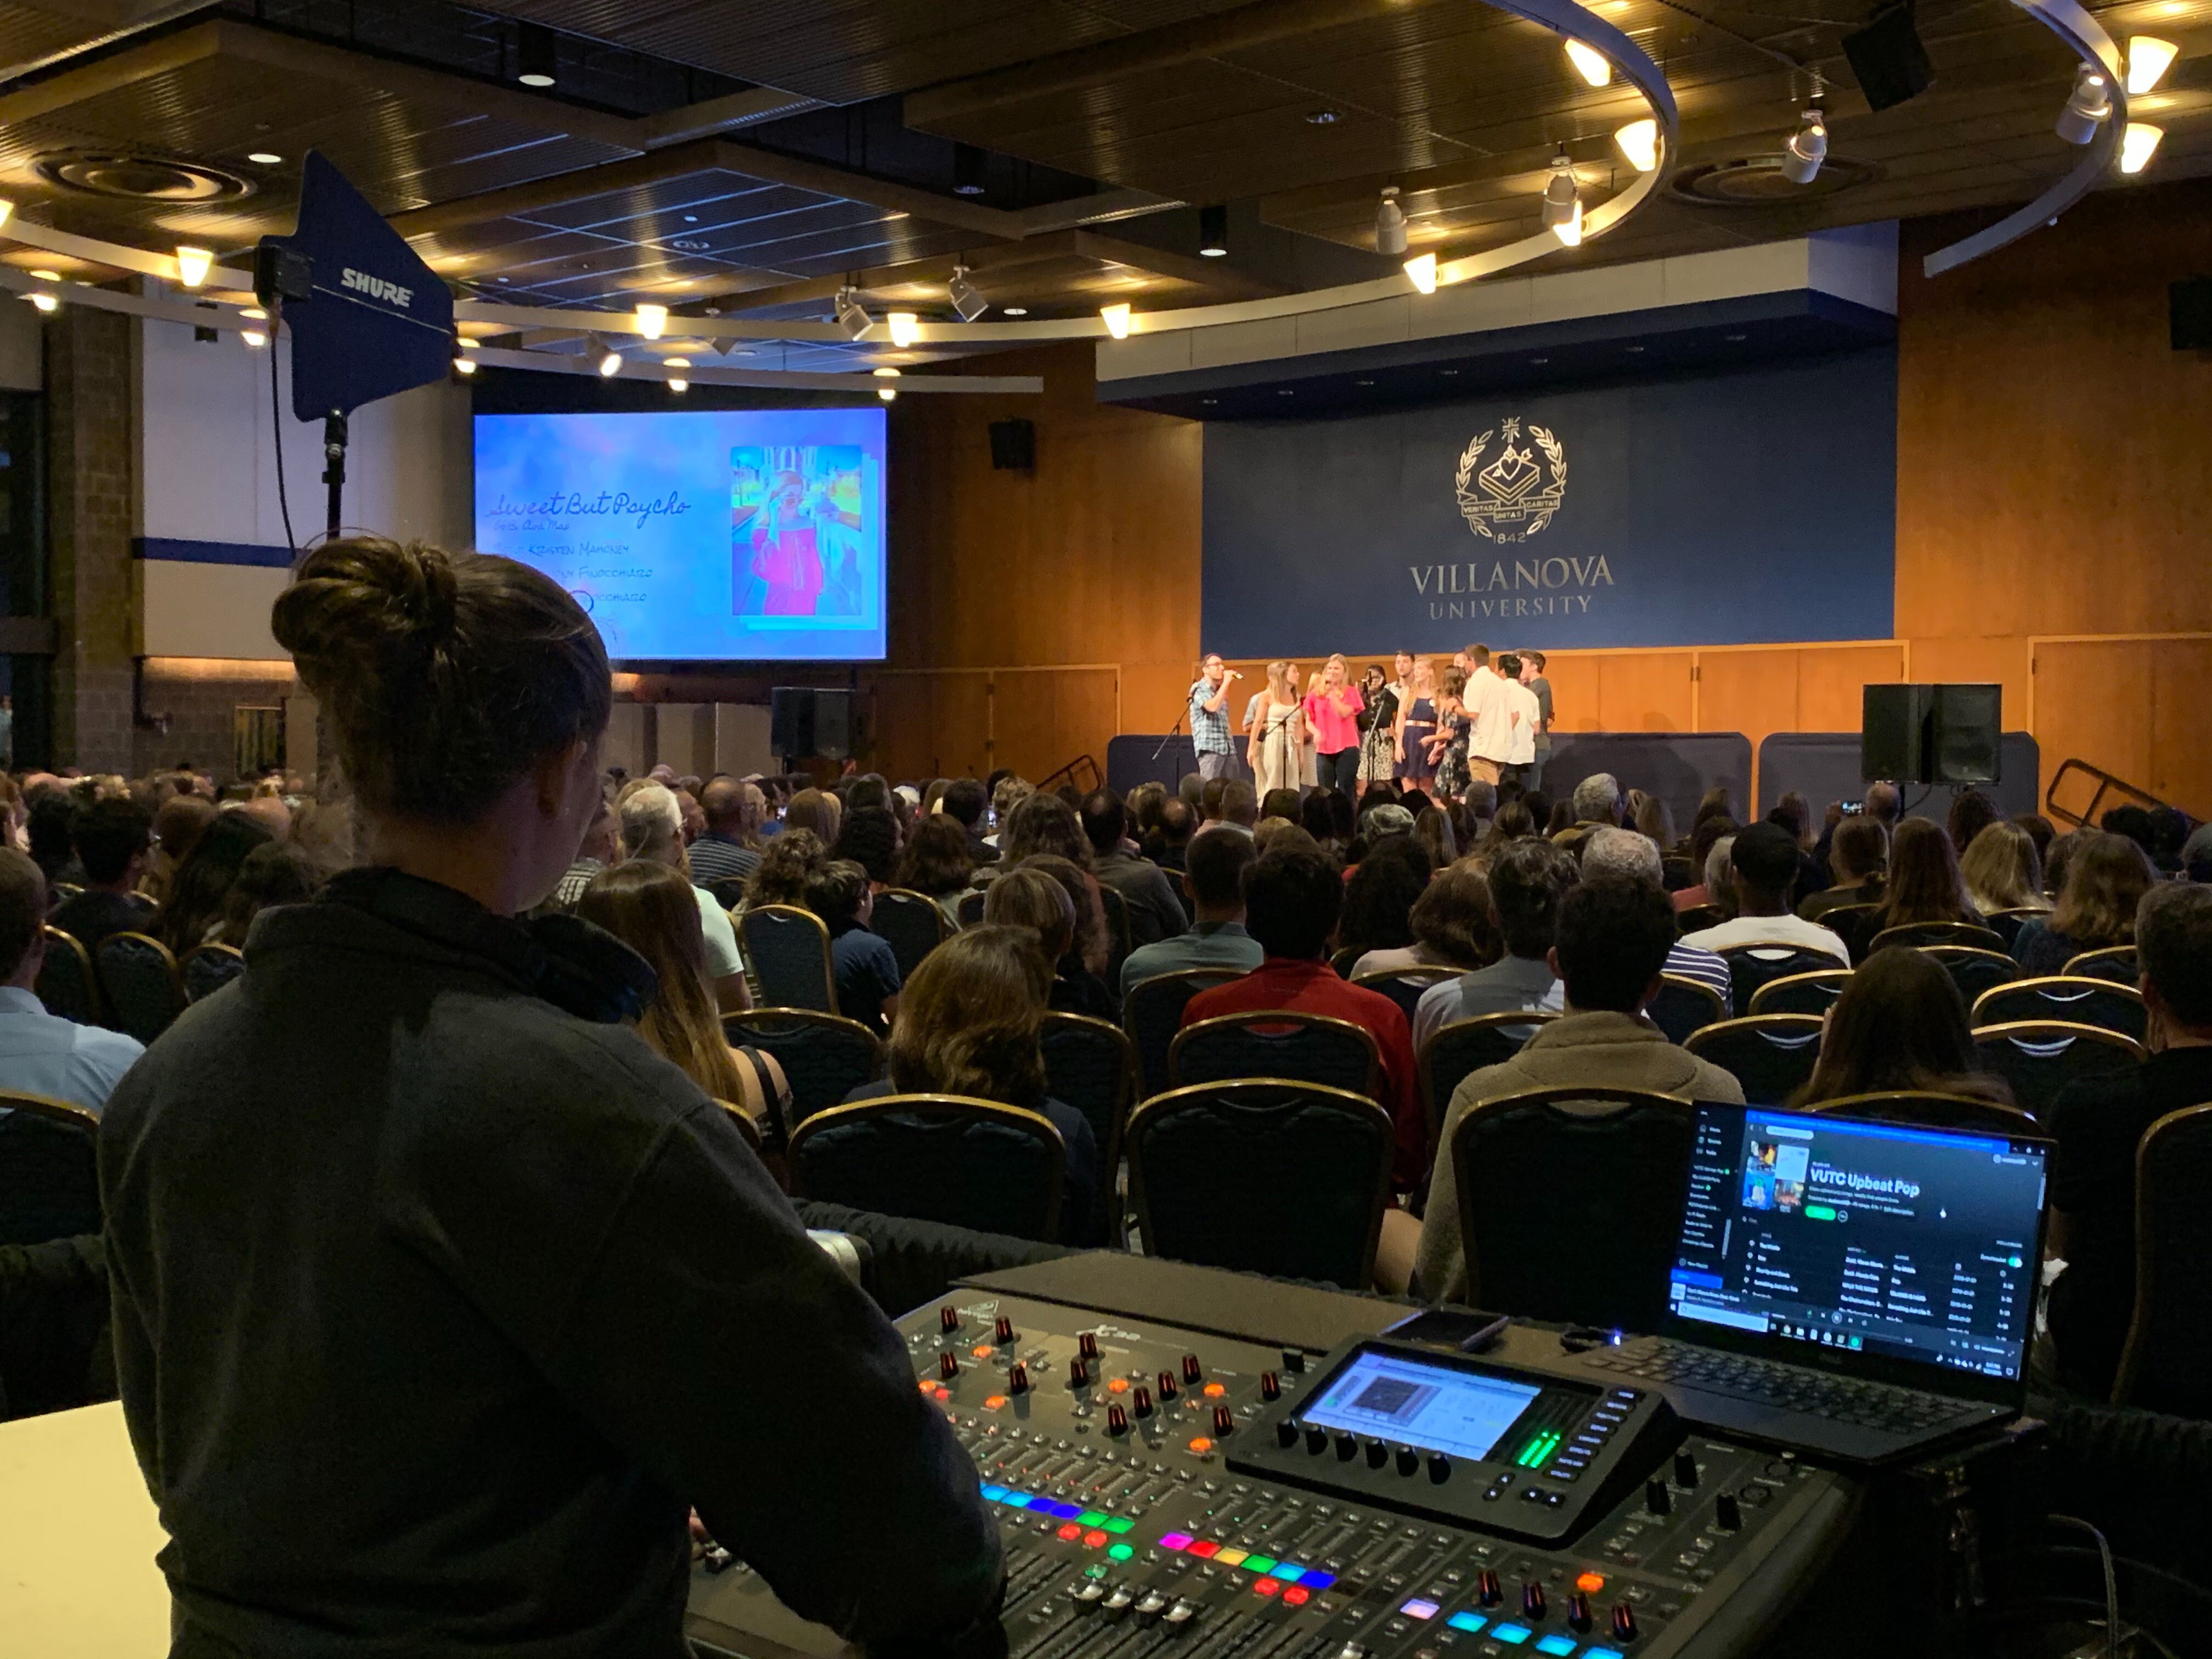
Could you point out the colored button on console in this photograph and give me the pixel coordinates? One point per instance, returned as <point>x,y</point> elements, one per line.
<point>1469,1622</point>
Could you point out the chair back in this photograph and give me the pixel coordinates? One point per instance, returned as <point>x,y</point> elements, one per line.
<point>1772,1055</point>
<point>1152,1013</point>
<point>1699,917</point>
<point>824,1056</point>
<point>1801,993</point>
<point>1345,960</point>
<point>936,1158</point>
<point>729,891</point>
<point>1306,1048</point>
<point>1684,1004</point>
<point>1763,961</point>
<point>1092,1066</point>
<point>971,908</point>
<point>911,924</point>
<point>2166,1363</point>
<point>2006,924</point>
<point>1940,933</point>
<point>2078,1000</point>
<point>1264,1175</point>
<point>209,968</point>
<point>1971,968</point>
<point>1454,1052</point>
<point>2115,961</point>
<point>67,985</point>
<point>788,951</point>
<point>140,983</point>
<point>1925,1110</point>
<point>2037,1058</point>
<point>1405,986</point>
<point>742,1120</point>
<point>1118,935</point>
<point>1591,1250</point>
<point>49,1170</point>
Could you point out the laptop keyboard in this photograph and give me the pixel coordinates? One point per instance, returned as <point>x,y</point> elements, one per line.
<point>1884,1405</point>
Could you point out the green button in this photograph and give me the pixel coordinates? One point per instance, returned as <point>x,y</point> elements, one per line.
<point>1121,1523</point>
<point>1121,1551</point>
<point>1820,1213</point>
<point>1100,1572</point>
<point>1258,1563</point>
<point>1090,1519</point>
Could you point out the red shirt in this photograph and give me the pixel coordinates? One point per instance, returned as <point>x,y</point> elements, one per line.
<point>1313,988</point>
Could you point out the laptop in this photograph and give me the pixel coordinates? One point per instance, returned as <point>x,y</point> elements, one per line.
<point>1861,1291</point>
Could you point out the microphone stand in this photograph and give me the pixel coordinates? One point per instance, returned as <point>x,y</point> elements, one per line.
<point>1172,730</point>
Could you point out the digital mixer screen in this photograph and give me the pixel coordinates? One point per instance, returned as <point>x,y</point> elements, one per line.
<point>1438,1408</point>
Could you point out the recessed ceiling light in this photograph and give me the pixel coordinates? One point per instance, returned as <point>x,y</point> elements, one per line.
<point>47,276</point>
<point>502,279</point>
<point>264,158</point>
<point>1732,337</point>
<point>690,218</point>
<point>1324,117</point>
<point>1447,373</point>
<point>1632,350</point>
<point>1209,400</point>
<point>537,55</point>
<point>1283,391</point>
<point>1013,311</point>
<point>1363,383</point>
<point>1540,362</point>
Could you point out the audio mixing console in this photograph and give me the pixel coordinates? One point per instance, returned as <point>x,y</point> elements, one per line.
<point>1162,1486</point>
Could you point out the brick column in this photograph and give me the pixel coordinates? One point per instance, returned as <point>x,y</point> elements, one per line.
<point>89,472</point>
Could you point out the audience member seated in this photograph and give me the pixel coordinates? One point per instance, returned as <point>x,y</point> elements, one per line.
<point>1007,793</point>
<point>113,839</point>
<point>863,966</point>
<point>728,849</point>
<point>649,907</point>
<point>1526,880</point>
<point>1177,823</point>
<point>1635,856</point>
<point>41,1053</point>
<point>1613,933</point>
<point>178,822</point>
<point>1380,896</point>
<point>2107,877</point>
<point>1794,812</point>
<point>1230,805</point>
<point>1655,820</point>
<point>51,833</point>
<point>869,836</point>
<point>1857,853</point>
<point>205,878</point>
<point>1899,1024</point>
<point>653,828</point>
<point>1762,865</point>
<point>2001,870</point>
<point>815,811</point>
<point>1043,825</point>
<point>1596,803</point>
<point>2196,854</point>
<point>1077,984</point>
<point>601,845</point>
<point>1923,884</point>
<point>939,860</point>
<point>1971,812</point>
<point>1326,815</point>
<point>1214,878</point>
<point>2099,1121</point>
<point>2042,832</point>
<point>1706,833</point>
<point>786,861</point>
<point>278,873</point>
<point>1293,898</point>
<point>968,1026</point>
<point>1452,926</point>
<point>964,802</point>
<point>1433,834</point>
<point>1155,912</point>
<point>1281,804</point>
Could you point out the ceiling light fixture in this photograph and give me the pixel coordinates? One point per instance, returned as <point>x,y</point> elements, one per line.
<point>2138,142</point>
<point>537,55</point>
<point>1806,149</point>
<point>1639,141</point>
<point>47,276</point>
<point>969,166</point>
<point>1014,311</point>
<point>2088,107</point>
<point>2149,59</point>
<point>255,338</point>
<point>651,320</point>
<point>888,393</point>
<point>264,158</point>
<point>1422,272</point>
<point>1390,224</point>
<point>192,265</point>
<point>254,315</point>
<point>1213,231</point>
<point>884,373</point>
<point>464,365</point>
<point>1561,205</point>
<point>905,326</point>
<point>1570,233</point>
<point>1589,63</point>
<point>852,316</point>
<point>610,361</point>
<point>1117,319</point>
<point>7,208</point>
<point>677,382</point>
<point>1323,118</point>
<point>45,302</point>
<point>968,301</point>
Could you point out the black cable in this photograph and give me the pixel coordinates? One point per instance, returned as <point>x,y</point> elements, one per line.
<point>2112,1583</point>
<point>276,436</point>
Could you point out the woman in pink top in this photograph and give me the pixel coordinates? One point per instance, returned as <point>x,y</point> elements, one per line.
<point>1331,715</point>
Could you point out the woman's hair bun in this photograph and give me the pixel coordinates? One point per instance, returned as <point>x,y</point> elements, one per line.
<point>365,597</point>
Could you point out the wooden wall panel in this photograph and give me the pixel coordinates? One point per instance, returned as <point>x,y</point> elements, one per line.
<point>2180,751</point>
<point>1958,658</point>
<point>2094,699</point>
<point>1831,683</point>
<point>1643,691</point>
<point>1042,719</point>
<point>1753,692</point>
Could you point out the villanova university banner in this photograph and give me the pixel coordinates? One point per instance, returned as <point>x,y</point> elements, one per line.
<point>1754,506</point>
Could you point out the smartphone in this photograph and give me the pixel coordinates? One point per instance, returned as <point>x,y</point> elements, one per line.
<point>1852,808</point>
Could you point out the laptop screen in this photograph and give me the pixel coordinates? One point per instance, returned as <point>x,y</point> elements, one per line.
<point>1904,1244</point>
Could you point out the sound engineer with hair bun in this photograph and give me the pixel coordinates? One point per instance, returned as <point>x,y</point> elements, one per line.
<point>440,1299</point>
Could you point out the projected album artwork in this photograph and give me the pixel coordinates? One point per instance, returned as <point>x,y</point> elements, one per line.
<point>715,535</point>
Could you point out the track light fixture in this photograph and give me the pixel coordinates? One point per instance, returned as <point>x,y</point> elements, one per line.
<point>1213,231</point>
<point>45,302</point>
<point>2089,108</point>
<point>255,338</point>
<point>2138,141</point>
<point>968,301</point>
<point>968,164</point>
<point>464,365</point>
<point>610,361</point>
<point>1560,203</point>
<point>1569,231</point>
<point>652,321</point>
<point>677,382</point>
<point>852,316</point>
<point>888,393</point>
<point>1117,319</point>
<point>1639,141</point>
<point>1806,149</point>
<point>193,264</point>
<point>2149,59</point>
<point>1422,273</point>
<point>1589,63</point>
<point>537,55</point>
<point>1390,224</point>
<point>905,327</point>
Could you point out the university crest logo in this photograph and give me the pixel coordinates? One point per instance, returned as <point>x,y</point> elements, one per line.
<point>1515,495</point>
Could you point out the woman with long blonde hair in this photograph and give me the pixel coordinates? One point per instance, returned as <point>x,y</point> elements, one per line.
<point>1416,724</point>
<point>1278,732</point>
<point>1332,715</point>
<point>2001,870</point>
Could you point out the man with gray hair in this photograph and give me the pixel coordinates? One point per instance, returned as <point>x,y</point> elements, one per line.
<point>1617,852</point>
<point>653,828</point>
<point>1597,799</point>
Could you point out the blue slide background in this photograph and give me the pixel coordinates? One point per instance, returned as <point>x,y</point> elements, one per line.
<point>632,514</point>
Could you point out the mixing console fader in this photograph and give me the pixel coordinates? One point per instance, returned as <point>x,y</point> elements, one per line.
<point>1163,1489</point>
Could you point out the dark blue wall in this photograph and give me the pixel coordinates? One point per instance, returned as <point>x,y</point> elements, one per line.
<point>1754,506</point>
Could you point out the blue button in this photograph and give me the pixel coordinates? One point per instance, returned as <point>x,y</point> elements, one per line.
<point>1602,1653</point>
<point>1019,1500</point>
<point>995,1493</point>
<point>1515,1634</point>
<point>1064,1512</point>
<point>1469,1622</point>
<point>1555,1644</point>
<point>1317,1580</point>
<point>1288,1573</point>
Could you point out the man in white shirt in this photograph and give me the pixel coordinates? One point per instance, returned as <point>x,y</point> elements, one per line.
<point>1762,864</point>
<point>1527,719</point>
<point>1490,740</point>
<point>41,1053</point>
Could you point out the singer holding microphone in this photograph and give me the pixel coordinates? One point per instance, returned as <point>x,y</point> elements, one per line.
<point>1209,718</point>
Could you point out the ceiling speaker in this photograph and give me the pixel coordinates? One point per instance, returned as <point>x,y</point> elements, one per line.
<point>1886,56</point>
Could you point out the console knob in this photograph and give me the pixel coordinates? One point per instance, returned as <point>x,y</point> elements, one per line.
<point>1578,1612</point>
<point>1316,1439</point>
<point>1286,1434</point>
<point>1409,1460</point>
<point>1531,1599</point>
<point>1117,1420</point>
<point>1294,1359</point>
<point>1144,1401</point>
<point>1624,1621</point>
<point>948,1318</point>
<point>1656,1497</point>
<point>1686,1469</point>
<point>1486,1589</point>
<point>1727,1514</point>
<point>1003,1331</point>
<point>1191,1373</point>
<point>1018,1380</point>
<point>1167,1385</point>
<point>948,1365</point>
<point>1087,1345</point>
<point>1377,1454</point>
<point>1347,1446</point>
<point>1078,1374</point>
<point>1271,1386</point>
<point>1439,1469</point>
<point>1224,1422</point>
